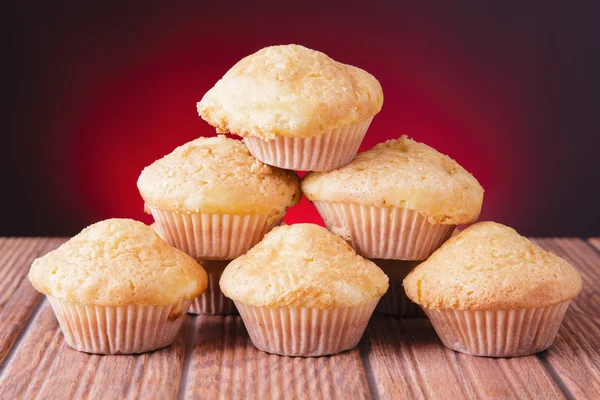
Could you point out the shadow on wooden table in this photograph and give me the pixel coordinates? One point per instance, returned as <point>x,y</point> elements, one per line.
<point>220,361</point>
<point>396,331</point>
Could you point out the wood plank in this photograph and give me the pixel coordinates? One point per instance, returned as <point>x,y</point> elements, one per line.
<point>18,299</point>
<point>595,242</point>
<point>406,359</point>
<point>394,372</point>
<point>574,359</point>
<point>213,356</point>
<point>224,364</point>
<point>43,366</point>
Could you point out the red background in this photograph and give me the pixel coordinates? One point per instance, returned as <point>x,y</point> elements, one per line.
<point>508,90</point>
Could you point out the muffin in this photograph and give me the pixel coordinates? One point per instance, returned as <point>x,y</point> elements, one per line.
<point>400,200</point>
<point>394,301</point>
<point>118,288</point>
<point>490,292</point>
<point>303,291</point>
<point>156,229</point>
<point>213,301</point>
<point>295,107</point>
<point>213,200</point>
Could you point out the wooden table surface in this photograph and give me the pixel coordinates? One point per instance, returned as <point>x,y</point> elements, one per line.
<point>213,357</point>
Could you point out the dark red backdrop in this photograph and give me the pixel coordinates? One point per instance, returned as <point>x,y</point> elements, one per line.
<point>508,90</point>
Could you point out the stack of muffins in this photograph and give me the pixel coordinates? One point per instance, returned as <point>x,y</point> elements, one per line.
<point>212,200</point>
<point>396,204</point>
<point>303,290</point>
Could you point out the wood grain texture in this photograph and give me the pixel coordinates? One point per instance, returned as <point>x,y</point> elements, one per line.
<point>214,358</point>
<point>43,366</point>
<point>574,359</point>
<point>595,242</point>
<point>224,364</point>
<point>18,299</point>
<point>406,358</point>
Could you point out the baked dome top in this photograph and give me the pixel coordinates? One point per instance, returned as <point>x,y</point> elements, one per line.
<point>489,266</point>
<point>290,90</point>
<point>118,262</point>
<point>402,173</point>
<point>217,175</point>
<point>302,265</point>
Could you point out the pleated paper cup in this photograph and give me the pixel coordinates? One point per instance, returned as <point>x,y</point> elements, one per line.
<point>394,301</point>
<point>306,332</point>
<point>391,233</point>
<point>213,301</point>
<point>213,236</point>
<point>325,152</point>
<point>499,333</point>
<point>118,329</point>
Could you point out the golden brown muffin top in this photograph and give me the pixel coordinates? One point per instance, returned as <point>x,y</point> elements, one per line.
<point>402,173</point>
<point>217,175</point>
<point>118,262</point>
<point>290,90</point>
<point>302,265</point>
<point>489,266</point>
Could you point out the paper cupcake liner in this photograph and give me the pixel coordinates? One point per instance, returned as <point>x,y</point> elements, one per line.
<point>118,329</point>
<point>213,236</point>
<point>305,332</point>
<point>156,229</point>
<point>388,233</point>
<point>501,333</point>
<point>213,301</point>
<point>394,301</point>
<point>325,152</point>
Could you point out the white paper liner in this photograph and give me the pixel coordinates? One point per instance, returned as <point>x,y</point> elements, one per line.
<point>388,233</point>
<point>501,333</point>
<point>306,332</point>
<point>394,301</point>
<point>213,236</point>
<point>325,152</point>
<point>156,229</point>
<point>118,329</point>
<point>213,301</point>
